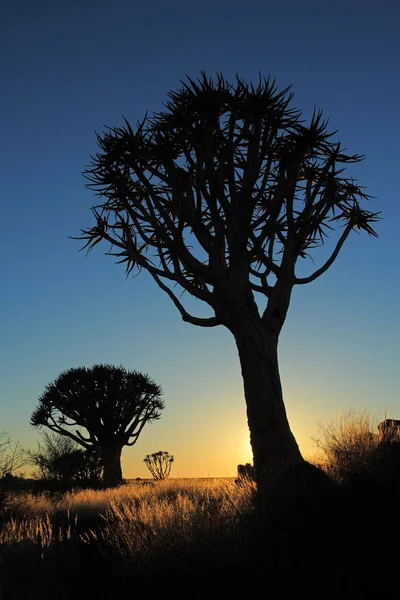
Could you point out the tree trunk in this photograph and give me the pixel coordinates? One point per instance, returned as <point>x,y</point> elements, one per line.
<point>274,446</point>
<point>112,471</point>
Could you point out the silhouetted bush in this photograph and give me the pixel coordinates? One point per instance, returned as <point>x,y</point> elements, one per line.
<point>358,452</point>
<point>62,464</point>
<point>349,447</point>
<point>12,455</point>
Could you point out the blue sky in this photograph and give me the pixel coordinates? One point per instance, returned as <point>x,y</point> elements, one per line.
<point>70,69</point>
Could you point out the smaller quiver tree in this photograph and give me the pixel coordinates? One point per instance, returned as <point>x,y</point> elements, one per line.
<point>102,408</point>
<point>159,464</point>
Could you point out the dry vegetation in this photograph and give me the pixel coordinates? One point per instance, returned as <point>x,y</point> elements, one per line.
<point>139,529</point>
<point>204,528</point>
<point>347,444</point>
<point>351,447</point>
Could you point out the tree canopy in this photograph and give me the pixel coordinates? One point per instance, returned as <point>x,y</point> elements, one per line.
<point>228,173</point>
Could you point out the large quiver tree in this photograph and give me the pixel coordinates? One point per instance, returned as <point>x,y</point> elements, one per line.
<point>222,194</point>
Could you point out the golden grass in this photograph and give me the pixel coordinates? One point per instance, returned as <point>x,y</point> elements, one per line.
<point>173,516</point>
<point>137,523</point>
<point>348,446</point>
<point>26,505</point>
<point>136,520</point>
<point>38,530</point>
<point>173,527</point>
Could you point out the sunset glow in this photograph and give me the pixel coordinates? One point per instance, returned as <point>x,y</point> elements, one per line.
<point>62,309</point>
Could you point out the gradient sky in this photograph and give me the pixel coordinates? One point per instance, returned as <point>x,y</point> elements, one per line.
<point>69,69</point>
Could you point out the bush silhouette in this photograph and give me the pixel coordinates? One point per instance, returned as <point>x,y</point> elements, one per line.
<point>60,460</point>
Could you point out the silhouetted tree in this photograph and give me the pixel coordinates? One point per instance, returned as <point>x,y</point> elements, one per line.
<point>159,464</point>
<point>221,195</point>
<point>59,459</point>
<point>111,403</point>
<point>12,455</point>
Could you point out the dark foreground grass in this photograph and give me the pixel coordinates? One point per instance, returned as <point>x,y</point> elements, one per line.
<point>326,532</point>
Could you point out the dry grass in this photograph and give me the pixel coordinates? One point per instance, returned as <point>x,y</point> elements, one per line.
<point>349,447</point>
<point>137,530</point>
<point>38,530</point>
<point>204,528</point>
<point>174,517</point>
<point>133,521</point>
<point>192,526</point>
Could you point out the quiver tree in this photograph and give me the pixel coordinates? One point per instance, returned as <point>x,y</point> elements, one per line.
<point>159,464</point>
<point>102,408</point>
<point>221,196</point>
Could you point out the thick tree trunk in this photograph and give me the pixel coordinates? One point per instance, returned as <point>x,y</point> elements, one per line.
<point>112,471</point>
<point>274,446</point>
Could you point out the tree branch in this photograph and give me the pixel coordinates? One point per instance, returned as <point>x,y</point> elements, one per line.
<point>261,256</point>
<point>131,433</point>
<point>329,262</point>
<point>188,318</point>
<point>57,429</point>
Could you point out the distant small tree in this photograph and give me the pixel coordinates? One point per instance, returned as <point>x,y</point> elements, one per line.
<point>110,403</point>
<point>159,464</point>
<point>59,459</point>
<point>12,455</point>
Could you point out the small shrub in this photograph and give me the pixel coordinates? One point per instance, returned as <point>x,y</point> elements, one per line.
<point>350,449</point>
<point>62,464</point>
